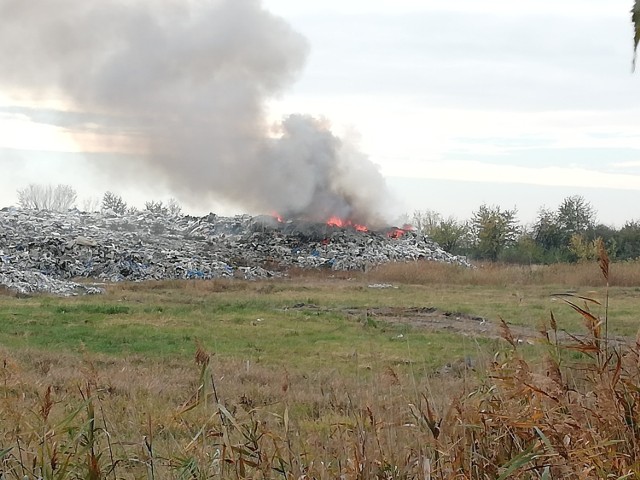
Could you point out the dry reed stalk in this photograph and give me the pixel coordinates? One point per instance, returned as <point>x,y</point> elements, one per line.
<point>603,262</point>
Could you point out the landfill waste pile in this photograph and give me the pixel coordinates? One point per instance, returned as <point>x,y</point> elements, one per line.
<point>76,252</point>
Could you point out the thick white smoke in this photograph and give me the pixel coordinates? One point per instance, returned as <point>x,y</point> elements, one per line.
<point>188,83</point>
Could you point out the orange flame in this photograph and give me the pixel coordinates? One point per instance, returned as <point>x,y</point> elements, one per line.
<point>341,223</point>
<point>395,233</point>
<point>399,232</point>
<point>336,222</point>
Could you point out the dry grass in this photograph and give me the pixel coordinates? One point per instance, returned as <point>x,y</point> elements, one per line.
<point>99,417</point>
<point>574,413</point>
<point>624,274</point>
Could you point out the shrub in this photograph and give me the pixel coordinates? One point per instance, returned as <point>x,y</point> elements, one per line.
<point>47,197</point>
<point>115,203</point>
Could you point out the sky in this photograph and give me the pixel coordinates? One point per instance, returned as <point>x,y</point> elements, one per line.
<point>457,103</point>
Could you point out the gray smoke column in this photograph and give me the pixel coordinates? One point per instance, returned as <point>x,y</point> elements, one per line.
<point>187,82</point>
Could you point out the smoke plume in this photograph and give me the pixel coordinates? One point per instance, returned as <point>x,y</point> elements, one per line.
<point>187,82</point>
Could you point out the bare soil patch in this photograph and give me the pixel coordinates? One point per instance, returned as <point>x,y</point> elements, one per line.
<point>434,319</point>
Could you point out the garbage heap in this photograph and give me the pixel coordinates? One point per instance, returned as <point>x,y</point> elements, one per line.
<point>42,251</point>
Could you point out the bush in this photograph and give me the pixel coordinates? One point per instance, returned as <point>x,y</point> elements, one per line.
<point>115,203</point>
<point>47,197</point>
<point>171,208</point>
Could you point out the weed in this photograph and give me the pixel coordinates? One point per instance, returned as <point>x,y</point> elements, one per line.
<point>333,396</point>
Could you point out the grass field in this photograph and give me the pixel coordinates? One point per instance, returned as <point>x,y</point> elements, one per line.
<point>323,375</point>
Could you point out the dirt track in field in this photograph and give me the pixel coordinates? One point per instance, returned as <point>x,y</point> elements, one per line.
<point>433,319</point>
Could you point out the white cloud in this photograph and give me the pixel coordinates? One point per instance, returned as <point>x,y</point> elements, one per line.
<point>572,8</point>
<point>22,134</point>
<point>630,164</point>
<point>393,129</point>
<point>473,171</point>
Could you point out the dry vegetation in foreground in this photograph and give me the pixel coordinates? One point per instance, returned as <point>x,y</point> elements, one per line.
<point>573,414</point>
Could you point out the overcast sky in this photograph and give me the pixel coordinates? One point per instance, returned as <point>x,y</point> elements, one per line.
<point>459,103</point>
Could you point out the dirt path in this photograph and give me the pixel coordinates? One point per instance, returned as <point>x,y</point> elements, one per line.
<point>433,319</point>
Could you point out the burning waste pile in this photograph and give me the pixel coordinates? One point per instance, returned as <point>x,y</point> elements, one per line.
<point>181,92</point>
<point>45,251</point>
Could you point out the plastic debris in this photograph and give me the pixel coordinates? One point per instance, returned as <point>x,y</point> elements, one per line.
<point>58,253</point>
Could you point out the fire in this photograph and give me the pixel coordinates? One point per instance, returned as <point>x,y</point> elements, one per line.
<point>396,233</point>
<point>277,216</point>
<point>336,222</point>
<point>399,232</point>
<point>341,223</point>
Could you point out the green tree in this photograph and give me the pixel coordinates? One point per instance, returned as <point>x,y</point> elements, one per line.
<point>451,234</point>
<point>547,231</point>
<point>525,251</point>
<point>628,241</point>
<point>575,216</point>
<point>493,230</point>
<point>608,236</point>
<point>583,249</point>
<point>556,232</point>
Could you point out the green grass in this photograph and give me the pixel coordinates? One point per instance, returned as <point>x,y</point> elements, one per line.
<point>244,325</point>
<point>259,321</point>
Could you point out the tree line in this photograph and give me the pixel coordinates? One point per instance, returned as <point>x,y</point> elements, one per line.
<point>60,198</point>
<point>568,233</point>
